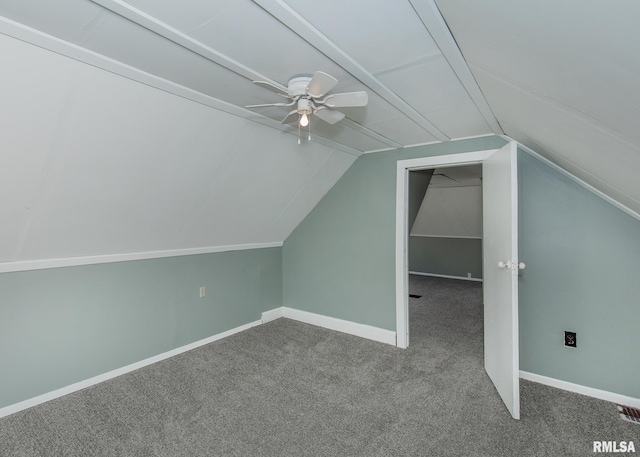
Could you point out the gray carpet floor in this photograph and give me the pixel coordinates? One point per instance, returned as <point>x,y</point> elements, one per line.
<point>291,389</point>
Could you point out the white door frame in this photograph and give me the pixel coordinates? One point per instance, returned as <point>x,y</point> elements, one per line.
<point>402,235</point>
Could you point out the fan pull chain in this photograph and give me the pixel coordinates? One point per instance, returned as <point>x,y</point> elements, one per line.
<point>298,131</point>
<point>309,139</point>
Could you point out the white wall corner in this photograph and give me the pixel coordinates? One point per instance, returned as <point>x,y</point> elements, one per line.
<point>352,328</point>
<point>580,389</point>
<point>272,314</point>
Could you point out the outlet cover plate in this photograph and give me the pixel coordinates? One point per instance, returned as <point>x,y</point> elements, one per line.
<point>570,339</point>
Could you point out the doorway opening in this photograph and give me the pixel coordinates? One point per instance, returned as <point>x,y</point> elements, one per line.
<point>445,222</point>
<point>500,261</point>
<point>445,268</point>
<point>407,212</point>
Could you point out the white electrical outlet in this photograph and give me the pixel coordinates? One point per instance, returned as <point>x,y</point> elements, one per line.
<point>203,292</point>
<point>468,275</point>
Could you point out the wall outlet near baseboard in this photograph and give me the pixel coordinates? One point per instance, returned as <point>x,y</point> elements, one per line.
<point>570,339</point>
<point>203,291</point>
<point>468,275</point>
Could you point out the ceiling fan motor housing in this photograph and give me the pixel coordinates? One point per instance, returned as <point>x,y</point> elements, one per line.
<point>298,86</point>
<point>304,106</point>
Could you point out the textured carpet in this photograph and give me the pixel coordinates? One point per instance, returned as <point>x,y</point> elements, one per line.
<point>291,389</point>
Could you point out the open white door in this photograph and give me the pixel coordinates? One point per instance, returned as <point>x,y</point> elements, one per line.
<point>500,245</point>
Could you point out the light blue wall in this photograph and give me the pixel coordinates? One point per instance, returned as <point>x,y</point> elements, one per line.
<point>582,272</point>
<point>582,275</point>
<point>446,256</point>
<point>64,325</point>
<point>340,261</point>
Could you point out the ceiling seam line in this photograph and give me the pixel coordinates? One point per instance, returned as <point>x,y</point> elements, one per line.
<point>280,10</point>
<point>581,182</point>
<point>592,122</point>
<point>218,178</point>
<point>297,194</point>
<point>453,55</point>
<point>181,39</point>
<point>40,39</point>
<point>53,153</point>
<point>370,133</point>
<point>174,35</point>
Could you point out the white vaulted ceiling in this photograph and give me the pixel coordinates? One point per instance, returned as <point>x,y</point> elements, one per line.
<point>563,78</point>
<point>123,127</point>
<point>96,164</point>
<point>217,48</point>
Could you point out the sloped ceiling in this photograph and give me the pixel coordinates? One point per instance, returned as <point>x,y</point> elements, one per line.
<point>123,127</point>
<point>464,176</point>
<point>563,78</point>
<point>95,164</point>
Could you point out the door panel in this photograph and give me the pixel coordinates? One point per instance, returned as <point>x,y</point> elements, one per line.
<point>500,244</point>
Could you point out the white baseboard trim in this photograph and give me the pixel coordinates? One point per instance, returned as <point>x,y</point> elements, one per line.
<point>583,390</point>
<point>352,328</point>
<point>420,235</point>
<point>445,276</point>
<point>16,407</point>
<point>272,314</point>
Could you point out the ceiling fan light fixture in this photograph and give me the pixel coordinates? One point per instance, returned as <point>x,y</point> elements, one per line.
<point>307,92</point>
<point>304,109</point>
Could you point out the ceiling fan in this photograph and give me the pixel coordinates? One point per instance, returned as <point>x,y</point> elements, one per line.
<point>309,96</point>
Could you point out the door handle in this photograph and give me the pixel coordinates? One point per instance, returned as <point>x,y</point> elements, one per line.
<point>509,266</point>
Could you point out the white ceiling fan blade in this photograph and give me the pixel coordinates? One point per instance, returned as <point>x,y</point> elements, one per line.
<point>347,99</point>
<point>273,87</point>
<point>264,105</point>
<point>330,116</point>
<point>288,115</point>
<point>271,104</point>
<point>320,84</point>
